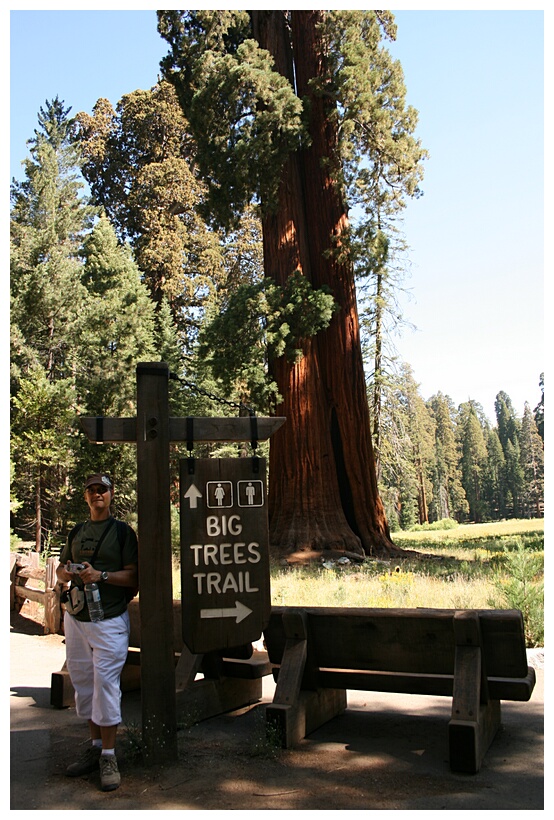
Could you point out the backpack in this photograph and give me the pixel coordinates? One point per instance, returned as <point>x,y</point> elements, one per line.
<point>121,528</point>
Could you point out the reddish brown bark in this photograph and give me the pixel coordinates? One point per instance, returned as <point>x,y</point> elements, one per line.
<point>323,487</point>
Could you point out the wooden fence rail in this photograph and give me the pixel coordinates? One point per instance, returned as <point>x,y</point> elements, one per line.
<point>31,582</point>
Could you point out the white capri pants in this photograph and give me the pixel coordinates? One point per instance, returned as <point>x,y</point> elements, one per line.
<point>96,654</point>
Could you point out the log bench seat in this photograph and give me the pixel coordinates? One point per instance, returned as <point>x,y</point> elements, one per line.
<point>477,658</point>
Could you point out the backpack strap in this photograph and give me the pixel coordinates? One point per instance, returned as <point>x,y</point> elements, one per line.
<point>122,528</point>
<point>73,532</point>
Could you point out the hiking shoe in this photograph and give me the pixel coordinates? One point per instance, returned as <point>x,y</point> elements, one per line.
<point>109,773</point>
<point>87,763</point>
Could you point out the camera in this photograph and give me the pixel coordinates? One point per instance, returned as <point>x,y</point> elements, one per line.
<point>75,567</point>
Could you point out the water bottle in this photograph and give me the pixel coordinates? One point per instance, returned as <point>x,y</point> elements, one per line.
<point>94,602</point>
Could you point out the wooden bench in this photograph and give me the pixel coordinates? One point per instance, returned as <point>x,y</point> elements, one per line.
<point>205,685</point>
<point>476,657</point>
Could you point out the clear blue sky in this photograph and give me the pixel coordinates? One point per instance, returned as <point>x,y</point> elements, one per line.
<point>476,237</point>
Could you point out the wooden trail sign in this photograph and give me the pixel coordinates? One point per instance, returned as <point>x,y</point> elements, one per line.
<point>225,589</point>
<point>153,430</point>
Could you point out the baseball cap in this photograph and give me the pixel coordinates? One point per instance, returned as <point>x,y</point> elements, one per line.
<point>98,478</point>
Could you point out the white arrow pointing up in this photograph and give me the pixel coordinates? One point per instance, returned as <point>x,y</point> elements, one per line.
<point>193,494</point>
<point>239,612</point>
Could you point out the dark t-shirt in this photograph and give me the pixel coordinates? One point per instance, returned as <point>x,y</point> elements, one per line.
<point>111,557</point>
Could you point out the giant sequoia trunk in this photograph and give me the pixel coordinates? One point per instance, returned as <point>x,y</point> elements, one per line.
<point>323,487</point>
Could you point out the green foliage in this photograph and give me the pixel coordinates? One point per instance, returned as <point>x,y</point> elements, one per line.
<point>15,503</point>
<point>140,162</point>
<point>382,159</point>
<point>520,585</point>
<point>131,741</point>
<point>244,114</point>
<point>443,524</point>
<point>449,498</point>
<point>259,323</point>
<point>472,476</point>
<point>407,444</point>
<point>118,330</point>
<point>81,320</point>
<point>42,444</point>
<point>473,459</point>
<point>532,463</point>
<point>83,313</point>
<point>15,542</point>
<point>48,221</point>
<point>539,409</point>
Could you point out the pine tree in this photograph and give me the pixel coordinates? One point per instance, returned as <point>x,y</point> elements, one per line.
<point>473,459</point>
<point>408,456</point>
<point>532,463</point>
<point>539,409</point>
<point>449,499</point>
<point>398,480</point>
<point>117,332</point>
<point>506,419</point>
<point>166,337</point>
<point>509,428</point>
<point>421,430</point>
<point>495,478</point>
<point>48,220</point>
<point>42,451</point>
<point>119,328</point>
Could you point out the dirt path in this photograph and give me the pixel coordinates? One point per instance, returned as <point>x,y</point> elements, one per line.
<point>386,752</point>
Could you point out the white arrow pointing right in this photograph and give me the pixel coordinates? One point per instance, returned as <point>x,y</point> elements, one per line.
<point>239,612</point>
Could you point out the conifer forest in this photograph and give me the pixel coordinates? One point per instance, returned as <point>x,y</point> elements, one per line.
<point>241,221</point>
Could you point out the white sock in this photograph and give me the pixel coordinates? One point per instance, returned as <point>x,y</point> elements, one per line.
<point>97,742</point>
<point>108,751</point>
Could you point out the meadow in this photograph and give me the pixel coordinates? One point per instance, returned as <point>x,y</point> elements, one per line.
<point>474,566</point>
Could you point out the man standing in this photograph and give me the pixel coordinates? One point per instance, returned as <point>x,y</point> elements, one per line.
<point>96,650</point>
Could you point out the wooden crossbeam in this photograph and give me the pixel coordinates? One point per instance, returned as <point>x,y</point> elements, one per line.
<point>102,429</point>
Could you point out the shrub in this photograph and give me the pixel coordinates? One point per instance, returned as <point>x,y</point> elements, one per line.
<point>520,585</point>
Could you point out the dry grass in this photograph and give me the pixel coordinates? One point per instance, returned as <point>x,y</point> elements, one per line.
<point>389,588</point>
<point>456,568</point>
<point>475,566</point>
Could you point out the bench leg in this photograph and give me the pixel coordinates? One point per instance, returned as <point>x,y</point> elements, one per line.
<point>469,740</point>
<point>475,717</point>
<point>288,724</point>
<point>296,712</point>
<point>62,693</point>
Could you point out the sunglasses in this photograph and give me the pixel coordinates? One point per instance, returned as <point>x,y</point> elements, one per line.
<point>98,489</point>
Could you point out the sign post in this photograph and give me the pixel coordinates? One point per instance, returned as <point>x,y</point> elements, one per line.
<point>225,586</point>
<point>155,570</point>
<point>153,430</point>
